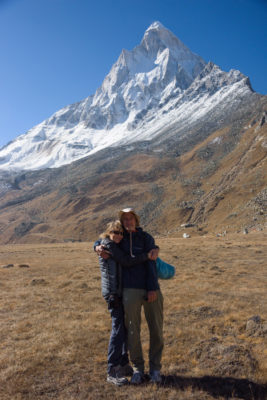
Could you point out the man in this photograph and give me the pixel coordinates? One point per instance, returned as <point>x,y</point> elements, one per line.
<point>141,288</point>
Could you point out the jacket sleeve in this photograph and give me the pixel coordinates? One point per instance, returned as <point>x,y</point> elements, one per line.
<point>152,275</point>
<point>97,243</point>
<point>112,276</point>
<point>124,259</point>
<point>108,276</point>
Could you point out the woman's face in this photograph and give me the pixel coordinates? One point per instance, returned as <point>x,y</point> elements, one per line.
<point>116,235</point>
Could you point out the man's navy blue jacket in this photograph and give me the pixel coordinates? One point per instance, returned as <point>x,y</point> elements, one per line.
<point>143,275</point>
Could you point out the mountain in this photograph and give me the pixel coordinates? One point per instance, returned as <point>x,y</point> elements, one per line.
<point>178,139</point>
<point>159,92</point>
<point>219,185</point>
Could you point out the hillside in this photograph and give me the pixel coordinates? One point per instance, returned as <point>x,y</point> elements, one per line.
<point>218,184</point>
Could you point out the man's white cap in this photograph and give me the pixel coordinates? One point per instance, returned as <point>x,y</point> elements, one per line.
<point>129,210</point>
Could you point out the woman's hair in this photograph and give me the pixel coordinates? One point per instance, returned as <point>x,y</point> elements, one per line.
<point>111,226</point>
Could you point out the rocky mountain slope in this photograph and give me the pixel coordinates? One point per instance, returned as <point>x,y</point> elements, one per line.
<point>219,185</point>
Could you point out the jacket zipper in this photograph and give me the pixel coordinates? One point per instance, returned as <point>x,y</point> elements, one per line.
<point>131,246</point>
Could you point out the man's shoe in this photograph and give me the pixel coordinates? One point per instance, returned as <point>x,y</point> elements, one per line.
<point>137,378</point>
<point>155,377</point>
<point>113,377</point>
<point>125,370</point>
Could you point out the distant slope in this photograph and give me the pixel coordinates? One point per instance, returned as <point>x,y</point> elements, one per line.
<point>218,184</point>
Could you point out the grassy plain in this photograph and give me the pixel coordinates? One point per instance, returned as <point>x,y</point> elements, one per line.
<point>54,326</point>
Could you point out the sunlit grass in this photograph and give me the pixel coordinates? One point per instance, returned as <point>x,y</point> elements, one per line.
<point>55,327</point>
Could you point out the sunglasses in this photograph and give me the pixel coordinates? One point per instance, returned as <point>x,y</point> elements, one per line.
<point>117,232</point>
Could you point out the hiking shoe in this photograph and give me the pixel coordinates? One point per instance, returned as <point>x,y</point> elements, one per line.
<point>113,377</point>
<point>125,370</point>
<point>117,381</point>
<point>137,378</point>
<point>155,377</point>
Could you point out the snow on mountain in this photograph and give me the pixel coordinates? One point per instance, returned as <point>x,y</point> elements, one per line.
<point>159,84</point>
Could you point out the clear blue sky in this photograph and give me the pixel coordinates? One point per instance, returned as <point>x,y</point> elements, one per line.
<point>57,52</point>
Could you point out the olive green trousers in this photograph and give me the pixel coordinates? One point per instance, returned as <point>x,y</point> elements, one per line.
<point>133,300</point>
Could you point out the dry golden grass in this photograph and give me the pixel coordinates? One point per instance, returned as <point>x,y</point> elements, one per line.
<point>55,327</point>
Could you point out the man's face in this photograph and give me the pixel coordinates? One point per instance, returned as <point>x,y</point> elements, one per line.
<point>129,222</point>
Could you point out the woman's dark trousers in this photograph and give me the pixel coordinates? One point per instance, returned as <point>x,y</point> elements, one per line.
<point>117,348</point>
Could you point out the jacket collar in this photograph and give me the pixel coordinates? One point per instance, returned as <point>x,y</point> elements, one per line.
<point>138,230</point>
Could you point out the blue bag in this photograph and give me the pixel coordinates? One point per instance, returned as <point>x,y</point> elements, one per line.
<point>164,270</point>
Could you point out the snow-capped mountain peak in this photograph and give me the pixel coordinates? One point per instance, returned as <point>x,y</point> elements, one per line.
<point>158,84</point>
<point>157,37</point>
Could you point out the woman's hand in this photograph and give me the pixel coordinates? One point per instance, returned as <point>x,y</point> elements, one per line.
<point>113,302</point>
<point>102,252</point>
<point>153,254</point>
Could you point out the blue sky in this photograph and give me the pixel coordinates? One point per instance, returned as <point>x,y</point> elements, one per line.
<point>56,52</point>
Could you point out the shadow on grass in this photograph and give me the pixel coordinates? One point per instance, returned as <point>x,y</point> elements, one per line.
<point>216,386</point>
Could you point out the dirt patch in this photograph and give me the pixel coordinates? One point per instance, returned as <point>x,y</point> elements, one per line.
<point>223,359</point>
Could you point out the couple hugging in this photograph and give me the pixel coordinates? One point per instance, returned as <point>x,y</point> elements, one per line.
<point>127,257</point>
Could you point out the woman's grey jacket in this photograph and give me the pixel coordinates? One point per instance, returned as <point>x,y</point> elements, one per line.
<point>111,268</point>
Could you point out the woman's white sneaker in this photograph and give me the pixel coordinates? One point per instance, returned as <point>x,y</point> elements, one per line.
<point>113,377</point>
<point>117,381</point>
